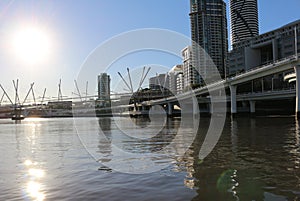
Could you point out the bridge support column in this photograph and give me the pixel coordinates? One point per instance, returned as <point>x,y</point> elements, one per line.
<point>196,109</point>
<point>210,108</point>
<point>297,70</point>
<point>252,107</point>
<point>170,109</point>
<point>233,99</point>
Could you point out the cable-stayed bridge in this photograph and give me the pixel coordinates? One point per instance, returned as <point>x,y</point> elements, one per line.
<point>230,86</point>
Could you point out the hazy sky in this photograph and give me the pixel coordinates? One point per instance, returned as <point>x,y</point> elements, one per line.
<point>76,28</point>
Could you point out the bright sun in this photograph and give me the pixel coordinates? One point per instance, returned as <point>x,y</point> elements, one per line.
<point>31,45</point>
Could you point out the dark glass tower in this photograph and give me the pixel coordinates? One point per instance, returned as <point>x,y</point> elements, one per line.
<point>103,86</point>
<point>244,20</point>
<point>209,30</point>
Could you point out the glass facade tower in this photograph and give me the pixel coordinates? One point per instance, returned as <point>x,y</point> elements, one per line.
<point>209,30</point>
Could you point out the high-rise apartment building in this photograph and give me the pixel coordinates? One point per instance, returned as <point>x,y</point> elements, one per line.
<point>243,20</point>
<point>190,74</point>
<point>209,30</point>
<point>103,86</point>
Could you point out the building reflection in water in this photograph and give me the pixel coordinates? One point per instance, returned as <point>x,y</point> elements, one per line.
<point>221,175</point>
<point>104,146</point>
<point>297,150</point>
<point>153,144</point>
<point>181,134</point>
<point>189,181</point>
<point>234,137</point>
<point>234,148</point>
<point>297,145</point>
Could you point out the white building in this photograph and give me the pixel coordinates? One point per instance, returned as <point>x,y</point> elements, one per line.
<point>176,79</point>
<point>179,83</point>
<point>190,74</point>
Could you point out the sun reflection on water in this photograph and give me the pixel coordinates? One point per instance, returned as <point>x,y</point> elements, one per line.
<point>34,187</point>
<point>38,173</point>
<point>28,162</point>
<point>34,190</point>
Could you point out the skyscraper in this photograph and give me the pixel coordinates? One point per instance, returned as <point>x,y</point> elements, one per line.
<point>243,20</point>
<point>104,86</point>
<point>209,30</point>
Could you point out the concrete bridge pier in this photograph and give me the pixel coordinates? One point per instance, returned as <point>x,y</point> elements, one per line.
<point>170,109</point>
<point>297,71</point>
<point>252,107</point>
<point>196,110</point>
<point>210,108</point>
<point>233,99</point>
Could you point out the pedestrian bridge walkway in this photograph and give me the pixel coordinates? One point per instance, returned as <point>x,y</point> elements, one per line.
<point>203,94</point>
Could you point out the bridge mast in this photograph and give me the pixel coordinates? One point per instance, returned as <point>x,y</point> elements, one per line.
<point>16,86</point>
<point>2,98</point>
<point>31,85</point>
<point>78,91</point>
<point>6,95</point>
<point>130,81</point>
<point>143,77</point>
<point>59,95</point>
<point>43,96</point>
<point>86,90</point>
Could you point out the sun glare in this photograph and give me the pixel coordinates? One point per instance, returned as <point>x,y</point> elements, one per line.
<point>31,45</point>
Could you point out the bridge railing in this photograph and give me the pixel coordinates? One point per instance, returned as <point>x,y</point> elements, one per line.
<point>275,63</point>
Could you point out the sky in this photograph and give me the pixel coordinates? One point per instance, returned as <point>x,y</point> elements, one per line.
<point>74,29</point>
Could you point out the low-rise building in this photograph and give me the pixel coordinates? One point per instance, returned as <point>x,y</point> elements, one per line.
<point>159,81</point>
<point>265,48</point>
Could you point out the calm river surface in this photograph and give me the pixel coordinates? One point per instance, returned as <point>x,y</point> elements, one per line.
<point>57,159</point>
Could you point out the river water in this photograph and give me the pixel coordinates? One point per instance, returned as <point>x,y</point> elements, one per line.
<point>51,159</point>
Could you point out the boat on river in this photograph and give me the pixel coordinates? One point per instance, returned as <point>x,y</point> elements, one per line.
<point>18,117</point>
